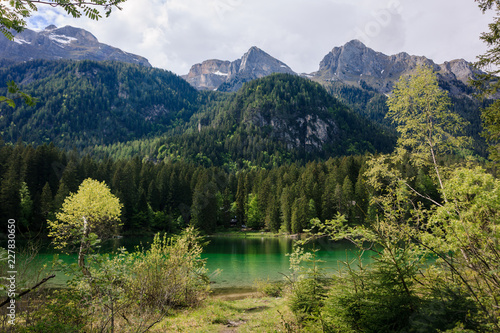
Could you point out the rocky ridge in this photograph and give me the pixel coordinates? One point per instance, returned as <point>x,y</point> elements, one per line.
<point>358,65</point>
<point>353,64</point>
<point>230,75</point>
<point>67,42</point>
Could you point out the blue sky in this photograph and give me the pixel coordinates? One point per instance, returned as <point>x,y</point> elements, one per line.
<point>175,34</point>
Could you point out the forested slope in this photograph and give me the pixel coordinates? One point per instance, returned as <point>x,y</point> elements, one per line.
<point>87,103</point>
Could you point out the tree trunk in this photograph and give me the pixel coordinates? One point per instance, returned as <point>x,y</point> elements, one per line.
<point>84,245</point>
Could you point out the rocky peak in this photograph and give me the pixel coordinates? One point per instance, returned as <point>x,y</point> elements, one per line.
<point>212,74</point>
<point>261,64</point>
<point>458,69</point>
<point>352,59</point>
<point>68,42</point>
<point>69,34</point>
<point>358,65</point>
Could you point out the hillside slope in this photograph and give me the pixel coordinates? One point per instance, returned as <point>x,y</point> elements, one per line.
<point>86,103</point>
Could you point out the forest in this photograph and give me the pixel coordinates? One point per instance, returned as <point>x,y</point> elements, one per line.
<point>111,150</point>
<point>169,196</point>
<point>427,212</point>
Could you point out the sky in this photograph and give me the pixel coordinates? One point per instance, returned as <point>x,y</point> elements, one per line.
<point>175,34</point>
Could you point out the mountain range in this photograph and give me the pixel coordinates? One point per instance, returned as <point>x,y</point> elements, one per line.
<point>67,42</point>
<point>125,107</point>
<point>353,63</point>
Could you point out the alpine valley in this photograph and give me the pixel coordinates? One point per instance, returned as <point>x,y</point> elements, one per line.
<point>251,111</point>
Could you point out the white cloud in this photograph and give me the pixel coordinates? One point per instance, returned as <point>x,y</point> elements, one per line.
<point>175,34</point>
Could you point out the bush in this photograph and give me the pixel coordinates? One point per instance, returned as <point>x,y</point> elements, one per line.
<point>62,312</point>
<point>171,273</point>
<point>307,298</point>
<point>269,288</point>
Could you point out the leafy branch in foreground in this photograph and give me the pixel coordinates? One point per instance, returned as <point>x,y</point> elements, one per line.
<point>488,83</point>
<point>14,14</point>
<point>14,90</point>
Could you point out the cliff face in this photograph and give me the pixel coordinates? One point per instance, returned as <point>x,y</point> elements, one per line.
<point>230,76</point>
<point>67,42</point>
<point>352,64</point>
<point>210,74</point>
<point>358,65</point>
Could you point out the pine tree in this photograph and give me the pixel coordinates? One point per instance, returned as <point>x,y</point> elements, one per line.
<point>46,201</point>
<point>241,200</point>
<point>25,206</point>
<point>10,190</point>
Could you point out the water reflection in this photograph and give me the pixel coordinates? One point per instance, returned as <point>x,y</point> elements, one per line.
<point>244,260</point>
<point>241,260</point>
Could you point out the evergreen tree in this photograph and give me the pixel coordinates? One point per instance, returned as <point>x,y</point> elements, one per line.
<point>241,200</point>
<point>347,198</point>
<point>46,201</point>
<point>273,222</point>
<point>10,189</point>
<point>254,215</point>
<point>204,208</point>
<point>25,206</point>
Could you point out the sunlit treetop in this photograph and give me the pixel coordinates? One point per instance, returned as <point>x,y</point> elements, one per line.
<point>13,13</point>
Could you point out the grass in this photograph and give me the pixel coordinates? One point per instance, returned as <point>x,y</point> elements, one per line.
<point>253,314</point>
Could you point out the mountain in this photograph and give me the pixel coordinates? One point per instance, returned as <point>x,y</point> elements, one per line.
<point>230,76</point>
<point>352,64</point>
<point>67,42</point>
<point>86,103</point>
<point>357,65</point>
<point>275,120</point>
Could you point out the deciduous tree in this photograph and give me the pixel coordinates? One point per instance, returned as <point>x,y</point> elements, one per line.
<point>85,218</point>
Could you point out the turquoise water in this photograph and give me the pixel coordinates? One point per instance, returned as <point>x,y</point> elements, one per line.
<point>244,260</point>
<point>240,260</point>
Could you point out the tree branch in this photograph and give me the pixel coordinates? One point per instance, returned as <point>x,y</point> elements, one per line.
<point>29,290</point>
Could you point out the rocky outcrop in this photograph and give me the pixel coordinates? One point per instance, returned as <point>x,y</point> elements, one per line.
<point>358,65</point>
<point>309,132</point>
<point>210,74</point>
<point>67,42</point>
<point>230,76</point>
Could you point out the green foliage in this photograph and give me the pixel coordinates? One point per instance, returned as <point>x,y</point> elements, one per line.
<point>14,90</point>
<point>272,289</point>
<point>93,205</point>
<point>63,311</point>
<point>94,103</point>
<point>464,236</point>
<point>167,196</point>
<point>307,283</point>
<point>85,218</point>
<point>269,122</point>
<point>26,205</point>
<point>13,16</point>
<point>171,273</point>
<point>489,60</point>
<point>420,110</point>
<point>127,292</point>
<point>411,222</point>
<point>490,116</point>
<point>488,82</point>
<point>254,219</point>
<point>363,101</point>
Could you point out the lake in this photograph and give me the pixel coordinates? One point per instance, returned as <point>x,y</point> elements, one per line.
<point>244,260</point>
<point>241,260</point>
